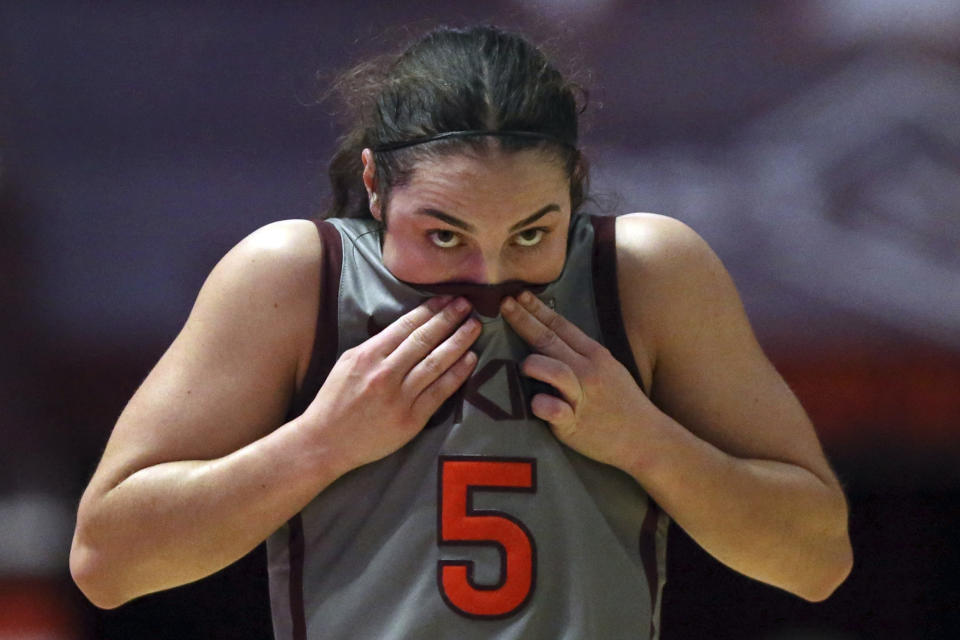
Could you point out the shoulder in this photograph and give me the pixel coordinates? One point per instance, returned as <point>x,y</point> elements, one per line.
<point>228,376</point>
<point>267,287</point>
<point>671,284</point>
<point>279,262</point>
<point>279,253</point>
<point>667,259</point>
<point>661,245</point>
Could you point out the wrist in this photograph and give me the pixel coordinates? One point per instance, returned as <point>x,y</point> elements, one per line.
<point>323,457</point>
<point>646,452</point>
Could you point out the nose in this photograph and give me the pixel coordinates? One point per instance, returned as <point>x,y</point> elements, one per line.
<point>481,268</point>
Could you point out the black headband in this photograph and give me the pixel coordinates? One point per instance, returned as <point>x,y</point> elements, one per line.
<point>471,133</point>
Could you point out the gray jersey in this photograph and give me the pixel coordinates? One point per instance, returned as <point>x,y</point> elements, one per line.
<point>484,525</point>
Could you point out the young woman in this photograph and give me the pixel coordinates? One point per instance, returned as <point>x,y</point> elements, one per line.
<point>459,407</point>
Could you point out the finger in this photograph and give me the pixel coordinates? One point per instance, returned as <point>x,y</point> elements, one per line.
<point>538,335</point>
<point>553,410</point>
<point>568,332</point>
<point>555,373</point>
<point>443,387</point>
<point>441,358</point>
<point>425,338</point>
<point>397,331</point>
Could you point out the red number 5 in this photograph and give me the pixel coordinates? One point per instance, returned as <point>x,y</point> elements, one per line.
<point>461,524</point>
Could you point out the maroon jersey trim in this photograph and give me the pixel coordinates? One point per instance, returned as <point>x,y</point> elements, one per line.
<point>324,354</point>
<point>322,359</point>
<point>297,617</point>
<point>607,296</point>
<point>648,554</point>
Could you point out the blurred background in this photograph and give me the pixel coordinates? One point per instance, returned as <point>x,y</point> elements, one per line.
<point>815,145</point>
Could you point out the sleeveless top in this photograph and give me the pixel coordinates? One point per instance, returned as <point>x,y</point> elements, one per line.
<point>484,525</point>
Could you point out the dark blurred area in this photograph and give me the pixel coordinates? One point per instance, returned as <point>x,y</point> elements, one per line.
<point>815,145</point>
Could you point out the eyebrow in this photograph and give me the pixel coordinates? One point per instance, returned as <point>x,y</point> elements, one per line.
<point>466,226</point>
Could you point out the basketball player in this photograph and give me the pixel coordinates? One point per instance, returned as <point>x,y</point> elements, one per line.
<point>460,408</point>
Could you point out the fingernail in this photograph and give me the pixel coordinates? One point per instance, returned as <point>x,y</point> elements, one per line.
<point>461,305</point>
<point>509,305</point>
<point>526,297</point>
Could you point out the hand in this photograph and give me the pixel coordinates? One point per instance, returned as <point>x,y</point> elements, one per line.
<point>380,394</point>
<point>601,406</point>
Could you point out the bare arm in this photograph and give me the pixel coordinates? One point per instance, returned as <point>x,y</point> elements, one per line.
<point>185,485</point>
<point>725,448</point>
<point>200,469</point>
<point>729,451</point>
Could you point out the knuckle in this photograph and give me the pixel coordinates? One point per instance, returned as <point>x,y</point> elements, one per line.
<point>408,324</point>
<point>421,338</point>
<point>442,390</point>
<point>356,358</point>
<point>432,365</point>
<point>379,378</point>
<point>586,372</point>
<point>464,337</point>
<point>464,367</point>
<point>348,357</point>
<point>459,341</point>
<point>528,365</point>
<point>591,378</point>
<point>450,314</point>
<point>588,381</point>
<point>546,407</point>
<point>558,412</point>
<point>544,340</point>
<point>453,378</point>
<point>554,321</point>
<point>434,396</point>
<point>597,351</point>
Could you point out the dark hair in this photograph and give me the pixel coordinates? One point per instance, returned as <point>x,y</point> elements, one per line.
<point>481,78</point>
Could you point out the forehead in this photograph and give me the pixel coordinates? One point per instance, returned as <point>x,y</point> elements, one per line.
<point>478,180</point>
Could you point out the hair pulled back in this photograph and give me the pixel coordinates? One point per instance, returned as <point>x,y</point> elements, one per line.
<point>452,80</point>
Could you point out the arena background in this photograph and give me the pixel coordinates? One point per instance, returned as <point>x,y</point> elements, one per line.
<point>815,145</point>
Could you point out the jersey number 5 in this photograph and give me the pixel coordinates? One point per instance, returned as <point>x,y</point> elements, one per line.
<point>461,524</point>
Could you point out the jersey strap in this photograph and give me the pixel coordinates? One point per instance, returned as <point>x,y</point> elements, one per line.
<point>324,354</point>
<point>608,294</point>
<point>605,286</point>
<point>322,359</point>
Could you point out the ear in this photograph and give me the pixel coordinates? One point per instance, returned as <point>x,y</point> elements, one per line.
<point>370,182</point>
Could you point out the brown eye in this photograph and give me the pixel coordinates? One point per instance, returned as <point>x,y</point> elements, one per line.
<point>529,237</point>
<point>444,238</point>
